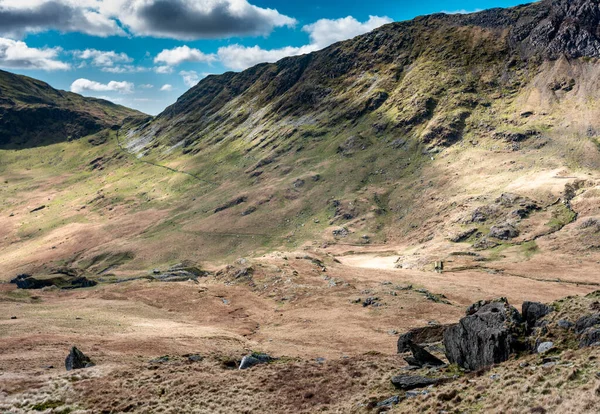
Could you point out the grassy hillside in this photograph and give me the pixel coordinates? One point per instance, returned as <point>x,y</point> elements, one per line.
<point>403,140</point>
<point>32,113</point>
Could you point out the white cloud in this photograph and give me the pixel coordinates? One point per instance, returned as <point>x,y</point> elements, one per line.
<point>178,55</point>
<point>86,85</point>
<point>125,69</point>
<point>164,70</point>
<point>325,32</point>
<point>322,33</point>
<point>17,55</point>
<point>190,78</point>
<point>19,17</point>
<point>177,19</point>
<point>239,57</point>
<point>166,88</point>
<point>196,19</point>
<point>146,86</point>
<point>101,57</point>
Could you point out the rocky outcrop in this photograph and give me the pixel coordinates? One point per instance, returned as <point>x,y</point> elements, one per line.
<point>77,360</point>
<point>487,335</point>
<point>59,280</point>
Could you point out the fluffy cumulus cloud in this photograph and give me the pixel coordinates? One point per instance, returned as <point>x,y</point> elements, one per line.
<point>178,55</point>
<point>325,32</point>
<point>238,57</point>
<point>177,19</point>
<point>101,57</point>
<point>18,17</point>
<point>17,55</point>
<point>166,88</point>
<point>322,33</point>
<point>86,85</point>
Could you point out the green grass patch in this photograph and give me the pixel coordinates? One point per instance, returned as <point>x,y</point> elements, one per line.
<point>561,216</point>
<point>529,249</point>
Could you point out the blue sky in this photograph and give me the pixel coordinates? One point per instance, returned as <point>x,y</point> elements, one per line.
<point>146,53</point>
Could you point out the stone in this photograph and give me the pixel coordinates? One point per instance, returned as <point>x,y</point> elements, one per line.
<point>463,236</point>
<point>389,402</point>
<point>533,311</point>
<point>77,360</point>
<point>423,357</point>
<point>586,322</point>
<point>486,336</point>
<point>411,382</point>
<point>504,231</point>
<point>545,347</point>
<point>13,317</point>
<point>591,337</point>
<point>371,301</point>
<point>423,335</point>
<point>565,324</point>
<point>255,359</point>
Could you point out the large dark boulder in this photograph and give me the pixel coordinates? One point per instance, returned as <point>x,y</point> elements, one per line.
<point>77,360</point>
<point>489,334</point>
<point>421,336</point>
<point>534,311</point>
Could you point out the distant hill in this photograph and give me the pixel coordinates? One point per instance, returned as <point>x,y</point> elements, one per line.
<point>33,113</point>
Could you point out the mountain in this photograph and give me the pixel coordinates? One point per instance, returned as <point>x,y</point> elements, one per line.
<point>33,113</point>
<point>396,136</point>
<point>313,217</point>
<point>475,134</point>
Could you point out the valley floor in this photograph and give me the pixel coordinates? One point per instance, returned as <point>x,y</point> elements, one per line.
<point>336,354</point>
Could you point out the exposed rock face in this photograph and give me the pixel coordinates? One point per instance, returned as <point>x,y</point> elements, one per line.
<point>486,336</point>
<point>77,360</point>
<point>567,27</point>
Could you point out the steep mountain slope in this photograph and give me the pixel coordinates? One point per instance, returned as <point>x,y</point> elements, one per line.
<point>397,135</point>
<point>33,113</point>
